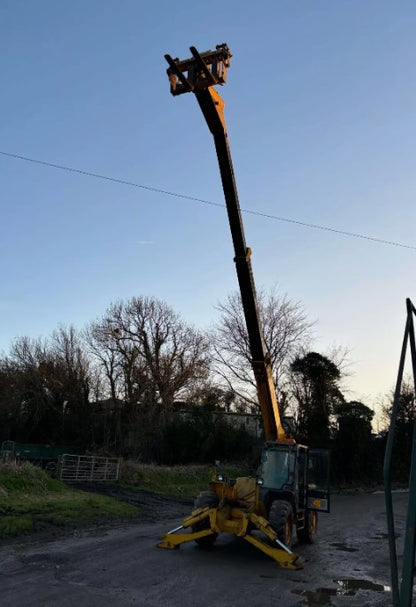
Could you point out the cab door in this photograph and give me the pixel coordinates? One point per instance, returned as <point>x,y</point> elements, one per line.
<point>318,479</point>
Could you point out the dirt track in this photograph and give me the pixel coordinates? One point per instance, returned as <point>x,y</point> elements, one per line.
<point>153,507</point>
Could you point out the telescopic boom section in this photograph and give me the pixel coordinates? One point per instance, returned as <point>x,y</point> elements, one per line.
<point>198,75</point>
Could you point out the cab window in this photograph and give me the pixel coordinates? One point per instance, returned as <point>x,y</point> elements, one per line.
<point>277,468</point>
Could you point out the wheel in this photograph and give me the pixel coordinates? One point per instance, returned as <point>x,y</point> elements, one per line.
<point>205,498</point>
<point>281,519</point>
<point>308,533</point>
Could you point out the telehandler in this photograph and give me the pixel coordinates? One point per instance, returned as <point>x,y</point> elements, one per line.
<point>292,482</point>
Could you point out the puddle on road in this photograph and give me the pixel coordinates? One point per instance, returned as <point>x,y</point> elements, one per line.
<point>322,596</point>
<point>344,547</point>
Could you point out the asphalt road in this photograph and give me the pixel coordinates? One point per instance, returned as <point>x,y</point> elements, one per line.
<point>347,566</point>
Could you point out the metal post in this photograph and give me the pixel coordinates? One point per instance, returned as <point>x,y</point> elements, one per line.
<point>402,598</point>
<point>406,588</point>
<point>92,469</point>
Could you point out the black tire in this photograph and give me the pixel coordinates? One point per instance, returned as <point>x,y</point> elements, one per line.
<point>205,498</point>
<point>281,519</point>
<point>307,535</point>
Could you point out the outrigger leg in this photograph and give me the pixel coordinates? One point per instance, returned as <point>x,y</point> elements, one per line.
<point>238,524</point>
<point>173,539</point>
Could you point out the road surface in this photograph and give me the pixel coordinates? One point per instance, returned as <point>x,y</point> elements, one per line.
<point>347,566</point>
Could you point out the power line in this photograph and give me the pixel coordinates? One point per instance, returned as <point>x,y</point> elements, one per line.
<point>202,200</point>
<point>107,178</point>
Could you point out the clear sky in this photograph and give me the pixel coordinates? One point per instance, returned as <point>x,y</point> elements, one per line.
<point>320,108</point>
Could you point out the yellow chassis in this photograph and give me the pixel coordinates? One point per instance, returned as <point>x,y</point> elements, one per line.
<point>226,519</point>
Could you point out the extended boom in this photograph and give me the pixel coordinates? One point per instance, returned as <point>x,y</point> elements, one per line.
<point>203,72</point>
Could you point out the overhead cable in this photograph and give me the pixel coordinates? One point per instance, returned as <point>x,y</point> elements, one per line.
<point>202,200</point>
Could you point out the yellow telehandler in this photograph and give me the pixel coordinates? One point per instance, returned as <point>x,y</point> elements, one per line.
<point>292,483</point>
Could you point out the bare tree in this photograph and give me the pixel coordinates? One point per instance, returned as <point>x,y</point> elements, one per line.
<point>406,413</point>
<point>286,331</point>
<point>147,352</point>
<point>149,358</point>
<point>28,369</point>
<point>48,383</point>
<point>68,349</point>
<point>71,378</point>
<point>103,345</point>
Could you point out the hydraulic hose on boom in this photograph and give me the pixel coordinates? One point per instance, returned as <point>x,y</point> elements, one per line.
<point>198,75</point>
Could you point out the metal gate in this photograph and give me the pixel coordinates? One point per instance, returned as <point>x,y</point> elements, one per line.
<point>73,468</point>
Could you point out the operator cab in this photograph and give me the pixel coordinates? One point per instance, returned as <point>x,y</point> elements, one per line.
<point>295,473</point>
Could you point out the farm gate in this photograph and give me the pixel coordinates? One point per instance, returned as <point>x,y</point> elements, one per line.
<point>81,468</point>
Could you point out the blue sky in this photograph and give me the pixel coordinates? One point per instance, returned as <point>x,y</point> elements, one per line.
<point>320,108</point>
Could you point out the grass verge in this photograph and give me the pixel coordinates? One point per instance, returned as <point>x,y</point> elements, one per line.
<point>31,500</point>
<point>179,481</point>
